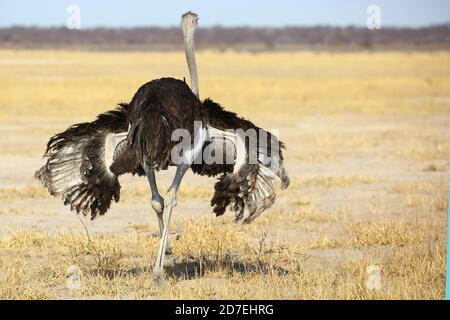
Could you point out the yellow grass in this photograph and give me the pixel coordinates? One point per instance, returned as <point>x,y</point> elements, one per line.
<point>367,137</point>
<point>219,264</point>
<point>388,234</point>
<point>81,84</point>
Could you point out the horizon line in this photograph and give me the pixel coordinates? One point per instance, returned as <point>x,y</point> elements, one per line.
<point>219,26</point>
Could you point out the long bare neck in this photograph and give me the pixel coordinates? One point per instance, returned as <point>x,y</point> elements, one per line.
<point>188,24</point>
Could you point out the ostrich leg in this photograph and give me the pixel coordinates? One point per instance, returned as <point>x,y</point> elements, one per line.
<point>158,270</point>
<point>157,200</point>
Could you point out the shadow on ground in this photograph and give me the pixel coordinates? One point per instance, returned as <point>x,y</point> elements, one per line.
<point>191,269</point>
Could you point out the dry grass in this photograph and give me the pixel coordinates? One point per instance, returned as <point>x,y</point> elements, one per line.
<point>367,137</point>
<point>324,243</point>
<point>24,212</point>
<point>33,191</point>
<point>333,181</point>
<point>219,263</point>
<point>387,233</point>
<point>287,81</point>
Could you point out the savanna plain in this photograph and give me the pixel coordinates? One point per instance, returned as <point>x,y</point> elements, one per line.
<point>368,153</point>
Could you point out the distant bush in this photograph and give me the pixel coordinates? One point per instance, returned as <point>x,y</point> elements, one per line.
<point>238,38</point>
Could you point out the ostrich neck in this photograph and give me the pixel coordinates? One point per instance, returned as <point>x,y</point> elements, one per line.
<point>190,58</point>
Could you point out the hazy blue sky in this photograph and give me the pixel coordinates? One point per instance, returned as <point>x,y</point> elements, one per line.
<point>227,13</point>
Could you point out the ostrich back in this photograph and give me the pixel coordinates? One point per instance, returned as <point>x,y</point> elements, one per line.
<point>157,109</point>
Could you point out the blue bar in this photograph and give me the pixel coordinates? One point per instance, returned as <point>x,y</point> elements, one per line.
<point>447,286</point>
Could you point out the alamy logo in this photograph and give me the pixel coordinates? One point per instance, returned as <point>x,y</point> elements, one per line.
<point>373,277</point>
<point>73,21</point>
<point>231,146</point>
<point>374,19</point>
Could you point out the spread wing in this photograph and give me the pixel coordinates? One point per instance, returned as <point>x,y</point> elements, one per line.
<point>247,183</point>
<point>83,163</point>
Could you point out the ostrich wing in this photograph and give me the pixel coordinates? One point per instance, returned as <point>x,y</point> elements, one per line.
<point>84,162</point>
<point>246,185</point>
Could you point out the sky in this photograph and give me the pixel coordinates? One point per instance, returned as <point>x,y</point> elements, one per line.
<point>137,13</point>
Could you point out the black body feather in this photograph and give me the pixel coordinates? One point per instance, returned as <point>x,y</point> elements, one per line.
<point>156,110</point>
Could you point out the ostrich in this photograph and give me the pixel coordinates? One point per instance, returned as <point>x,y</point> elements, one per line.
<point>84,162</point>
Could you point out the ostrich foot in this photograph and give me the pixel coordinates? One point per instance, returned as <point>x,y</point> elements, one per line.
<point>158,278</point>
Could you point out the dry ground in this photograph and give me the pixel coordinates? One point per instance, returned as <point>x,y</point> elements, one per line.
<point>368,154</point>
